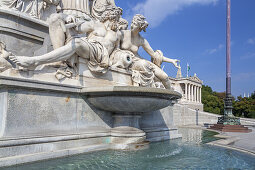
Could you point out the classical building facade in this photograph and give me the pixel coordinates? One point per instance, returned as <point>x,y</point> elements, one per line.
<point>191,90</point>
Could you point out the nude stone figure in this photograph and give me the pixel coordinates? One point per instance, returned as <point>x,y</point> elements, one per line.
<point>132,40</point>
<point>102,39</point>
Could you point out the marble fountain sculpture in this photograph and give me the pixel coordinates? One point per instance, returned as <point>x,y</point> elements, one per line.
<point>72,81</point>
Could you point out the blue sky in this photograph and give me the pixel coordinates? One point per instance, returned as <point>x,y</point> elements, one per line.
<point>193,31</point>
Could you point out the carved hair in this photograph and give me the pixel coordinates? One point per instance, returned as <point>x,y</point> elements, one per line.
<point>122,23</point>
<point>112,14</point>
<point>139,20</point>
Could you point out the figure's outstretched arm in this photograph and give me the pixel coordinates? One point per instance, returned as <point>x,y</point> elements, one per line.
<point>173,61</point>
<point>154,54</point>
<point>146,46</point>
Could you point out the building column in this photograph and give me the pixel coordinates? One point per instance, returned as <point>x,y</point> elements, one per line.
<point>189,92</point>
<point>196,88</point>
<point>200,97</point>
<point>186,91</point>
<point>192,92</point>
<point>197,94</point>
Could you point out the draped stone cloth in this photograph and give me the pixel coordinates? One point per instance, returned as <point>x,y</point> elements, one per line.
<point>98,59</point>
<point>143,72</point>
<point>158,58</point>
<point>98,56</point>
<point>75,7</point>
<point>26,6</point>
<point>32,7</point>
<point>7,3</point>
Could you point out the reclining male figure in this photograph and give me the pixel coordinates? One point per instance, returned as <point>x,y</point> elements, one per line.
<point>102,39</point>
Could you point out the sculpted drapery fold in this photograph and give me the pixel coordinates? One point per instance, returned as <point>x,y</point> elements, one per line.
<point>34,8</point>
<point>99,6</point>
<point>75,7</point>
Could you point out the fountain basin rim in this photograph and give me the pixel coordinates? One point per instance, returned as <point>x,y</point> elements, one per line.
<point>131,91</point>
<point>130,100</point>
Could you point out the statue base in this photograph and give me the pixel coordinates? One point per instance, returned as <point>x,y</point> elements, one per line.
<point>230,124</point>
<point>41,120</point>
<point>230,128</point>
<point>229,120</point>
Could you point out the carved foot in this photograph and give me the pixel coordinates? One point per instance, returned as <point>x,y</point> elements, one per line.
<point>26,62</point>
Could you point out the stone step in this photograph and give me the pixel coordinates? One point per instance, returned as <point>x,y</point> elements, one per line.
<point>240,128</point>
<point>230,128</point>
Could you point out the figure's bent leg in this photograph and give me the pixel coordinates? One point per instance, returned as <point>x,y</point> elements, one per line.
<point>60,54</point>
<point>160,74</point>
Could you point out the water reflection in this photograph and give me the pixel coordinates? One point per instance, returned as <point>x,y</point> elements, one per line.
<point>197,136</point>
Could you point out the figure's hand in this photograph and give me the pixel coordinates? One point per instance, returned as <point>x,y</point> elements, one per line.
<point>70,19</point>
<point>176,63</point>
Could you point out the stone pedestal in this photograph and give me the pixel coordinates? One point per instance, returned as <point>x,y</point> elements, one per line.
<point>228,122</point>
<point>42,120</point>
<point>127,119</point>
<point>126,132</point>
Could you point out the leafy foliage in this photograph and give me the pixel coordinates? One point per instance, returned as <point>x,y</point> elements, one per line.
<point>253,95</point>
<point>214,103</point>
<point>244,107</point>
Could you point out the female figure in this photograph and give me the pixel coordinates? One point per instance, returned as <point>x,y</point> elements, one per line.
<point>132,40</point>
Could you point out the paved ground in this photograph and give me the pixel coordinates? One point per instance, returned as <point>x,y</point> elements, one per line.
<point>244,142</point>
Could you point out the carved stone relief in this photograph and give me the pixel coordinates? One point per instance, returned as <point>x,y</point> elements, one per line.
<point>4,55</point>
<point>95,31</point>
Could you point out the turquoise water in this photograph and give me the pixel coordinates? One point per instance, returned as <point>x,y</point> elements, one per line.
<point>174,154</point>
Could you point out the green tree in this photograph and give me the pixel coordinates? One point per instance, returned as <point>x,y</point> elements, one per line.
<point>212,103</point>
<point>253,95</point>
<point>244,106</point>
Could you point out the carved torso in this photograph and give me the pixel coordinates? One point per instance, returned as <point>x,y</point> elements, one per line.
<point>130,43</point>
<point>106,37</point>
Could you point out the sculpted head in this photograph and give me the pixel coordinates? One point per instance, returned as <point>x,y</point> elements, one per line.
<point>122,24</point>
<point>139,23</point>
<point>113,15</point>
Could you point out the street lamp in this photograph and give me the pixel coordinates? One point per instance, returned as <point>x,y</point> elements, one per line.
<point>228,117</point>
<point>228,122</point>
